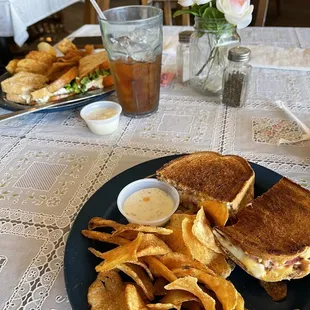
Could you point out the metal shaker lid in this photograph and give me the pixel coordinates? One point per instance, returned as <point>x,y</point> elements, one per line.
<point>239,54</point>
<point>184,36</point>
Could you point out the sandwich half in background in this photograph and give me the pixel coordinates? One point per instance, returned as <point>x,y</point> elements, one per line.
<point>271,238</point>
<point>222,184</point>
<point>56,90</point>
<point>19,87</point>
<point>93,71</point>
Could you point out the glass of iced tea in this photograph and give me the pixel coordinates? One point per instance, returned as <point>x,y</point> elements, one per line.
<point>132,36</point>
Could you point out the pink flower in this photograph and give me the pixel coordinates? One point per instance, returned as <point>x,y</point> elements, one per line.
<point>237,12</point>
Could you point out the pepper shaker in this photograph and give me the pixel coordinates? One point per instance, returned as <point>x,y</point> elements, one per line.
<point>183,56</point>
<point>236,77</point>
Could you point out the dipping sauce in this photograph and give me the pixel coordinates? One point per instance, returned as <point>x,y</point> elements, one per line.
<point>148,204</point>
<point>101,114</point>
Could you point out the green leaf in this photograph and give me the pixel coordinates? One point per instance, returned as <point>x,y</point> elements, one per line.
<point>182,12</point>
<point>212,13</point>
<point>195,8</point>
<point>202,8</point>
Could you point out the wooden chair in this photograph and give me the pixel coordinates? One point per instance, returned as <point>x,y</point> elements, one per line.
<point>167,8</point>
<point>262,9</point>
<point>90,15</point>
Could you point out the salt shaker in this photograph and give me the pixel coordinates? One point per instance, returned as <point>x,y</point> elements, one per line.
<point>183,56</point>
<point>236,77</point>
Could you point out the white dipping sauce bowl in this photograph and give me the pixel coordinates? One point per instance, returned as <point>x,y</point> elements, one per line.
<point>102,127</point>
<point>148,183</point>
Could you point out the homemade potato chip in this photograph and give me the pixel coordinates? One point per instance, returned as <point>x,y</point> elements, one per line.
<point>132,298</point>
<point>65,46</point>
<point>41,56</point>
<point>203,232</point>
<point>139,263</point>
<point>240,303</point>
<point>46,47</point>
<point>96,253</point>
<point>276,290</point>
<point>216,262</point>
<point>192,305</point>
<point>142,228</point>
<point>178,297</point>
<point>106,292</point>
<point>89,49</point>
<point>223,289</point>
<point>31,65</point>
<point>175,260</point>
<point>175,241</point>
<point>160,306</point>
<point>160,268</point>
<point>11,66</point>
<point>97,222</point>
<point>120,255</point>
<point>217,212</point>
<point>152,245</point>
<point>177,219</point>
<point>104,237</point>
<point>145,267</point>
<point>159,286</point>
<point>139,276</point>
<point>190,285</point>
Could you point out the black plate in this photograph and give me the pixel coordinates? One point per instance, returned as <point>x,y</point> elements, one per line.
<point>71,102</point>
<point>79,263</point>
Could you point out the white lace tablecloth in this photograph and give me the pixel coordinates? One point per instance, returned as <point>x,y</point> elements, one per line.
<point>17,15</point>
<point>50,164</point>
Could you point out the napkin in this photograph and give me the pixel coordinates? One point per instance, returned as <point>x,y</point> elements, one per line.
<point>20,29</point>
<point>305,136</point>
<point>274,57</point>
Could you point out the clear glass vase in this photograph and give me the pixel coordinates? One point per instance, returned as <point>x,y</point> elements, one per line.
<point>209,46</point>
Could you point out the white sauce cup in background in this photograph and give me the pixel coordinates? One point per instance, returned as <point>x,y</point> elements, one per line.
<point>101,127</point>
<point>148,183</point>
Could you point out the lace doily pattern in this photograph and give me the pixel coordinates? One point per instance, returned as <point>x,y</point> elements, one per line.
<point>182,124</point>
<point>69,126</point>
<point>247,134</point>
<point>50,164</point>
<point>271,85</point>
<point>270,130</point>
<point>19,126</point>
<point>275,36</point>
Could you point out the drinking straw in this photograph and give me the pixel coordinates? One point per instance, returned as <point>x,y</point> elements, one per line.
<point>97,8</point>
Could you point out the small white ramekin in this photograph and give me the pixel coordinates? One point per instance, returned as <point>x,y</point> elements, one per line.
<point>102,127</point>
<point>148,183</point>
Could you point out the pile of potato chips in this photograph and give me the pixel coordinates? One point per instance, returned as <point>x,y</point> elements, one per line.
<point>44,60</point>
<point>179,266</point>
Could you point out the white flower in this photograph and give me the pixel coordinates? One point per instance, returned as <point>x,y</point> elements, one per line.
<point>237,12</point>
<point>187,3</point>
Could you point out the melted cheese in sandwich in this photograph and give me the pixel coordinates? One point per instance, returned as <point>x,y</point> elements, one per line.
<point>61,91</point>
<point>252,266</point>
<point>43,100</point>
<point>26,97</point>
<point>264,270</point>
<point>97,83</point>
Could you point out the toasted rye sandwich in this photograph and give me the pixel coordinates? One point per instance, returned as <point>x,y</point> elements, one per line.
<point>18,88</point>
<point>56,90</point>
<point>93,69</point>
<point>211,179</point>
<point>271,238</point>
